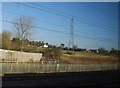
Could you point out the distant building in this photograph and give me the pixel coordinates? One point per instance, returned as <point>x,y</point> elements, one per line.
<point>62,45</point>
<point>45,45</point>
<point>108,51</point>
<point>97,51</point>
<point>88,50</point>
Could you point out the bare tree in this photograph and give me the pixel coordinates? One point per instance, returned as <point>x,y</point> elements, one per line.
<point>22,27</point>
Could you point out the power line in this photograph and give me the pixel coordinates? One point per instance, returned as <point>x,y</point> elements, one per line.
<point>8,11</point>
<point>73,15</point>
<point>41,9</point>
<point>81,19</point>
<point>96,25</point>
<point>36,27</point>
<point>65,16</point>
<point>37,19</point>
<point>99,10</point>
<point>59,31</point>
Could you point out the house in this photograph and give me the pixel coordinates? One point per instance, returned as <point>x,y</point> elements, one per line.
<point>87,50</point>
<point>45,45</point>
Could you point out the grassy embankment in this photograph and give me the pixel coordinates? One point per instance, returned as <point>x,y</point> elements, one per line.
<point>88,58</point>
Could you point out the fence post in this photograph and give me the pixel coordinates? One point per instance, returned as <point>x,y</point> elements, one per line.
<point>57,68</point>
<point>49,62</point>
<point>42,62</point>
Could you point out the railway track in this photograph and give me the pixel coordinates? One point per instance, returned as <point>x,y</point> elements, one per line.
<point>95,78</point>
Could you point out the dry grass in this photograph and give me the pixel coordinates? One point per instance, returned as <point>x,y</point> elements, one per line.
<point>76,59</point>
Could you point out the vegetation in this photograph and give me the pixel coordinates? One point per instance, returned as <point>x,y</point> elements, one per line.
<point>52,53</point>
<point>23,26</point>
<point>64,55</point>
<point>6,40</point>
<point>86,59</point>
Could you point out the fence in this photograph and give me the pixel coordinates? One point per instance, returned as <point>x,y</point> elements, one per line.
<point>10,68</point>
<point>8,55</point>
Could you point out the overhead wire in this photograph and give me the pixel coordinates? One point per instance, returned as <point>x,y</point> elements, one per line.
<point>66,16</point>
<point>62,15</point>
<point>57,31</point>
<point>52,13</point>
<point>8,11</point>
<point>101,10</point>
<point>72,15</point>
<point>12,12</point>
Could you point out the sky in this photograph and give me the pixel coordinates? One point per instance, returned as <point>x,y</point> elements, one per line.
<point>95,24</point>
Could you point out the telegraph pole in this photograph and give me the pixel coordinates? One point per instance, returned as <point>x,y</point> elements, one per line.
<point>71,38</point>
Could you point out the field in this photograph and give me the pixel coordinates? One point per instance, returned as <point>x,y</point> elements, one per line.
<point>88,58</point>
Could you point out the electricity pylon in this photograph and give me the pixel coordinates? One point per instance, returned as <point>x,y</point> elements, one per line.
<point>71,37</point>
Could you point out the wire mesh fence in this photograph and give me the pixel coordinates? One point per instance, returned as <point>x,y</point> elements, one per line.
<point>10,68</point>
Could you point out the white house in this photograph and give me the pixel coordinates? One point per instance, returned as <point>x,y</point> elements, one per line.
<point>45,45</point>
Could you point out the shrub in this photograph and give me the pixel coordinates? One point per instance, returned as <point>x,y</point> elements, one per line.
<point>52,53</point>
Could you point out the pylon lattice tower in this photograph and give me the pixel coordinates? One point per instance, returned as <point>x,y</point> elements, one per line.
<point>71,37</point>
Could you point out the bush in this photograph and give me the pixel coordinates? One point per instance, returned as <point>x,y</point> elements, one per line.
<point>52,53</point>
<point>70,53</point>
<point>6,40</point>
